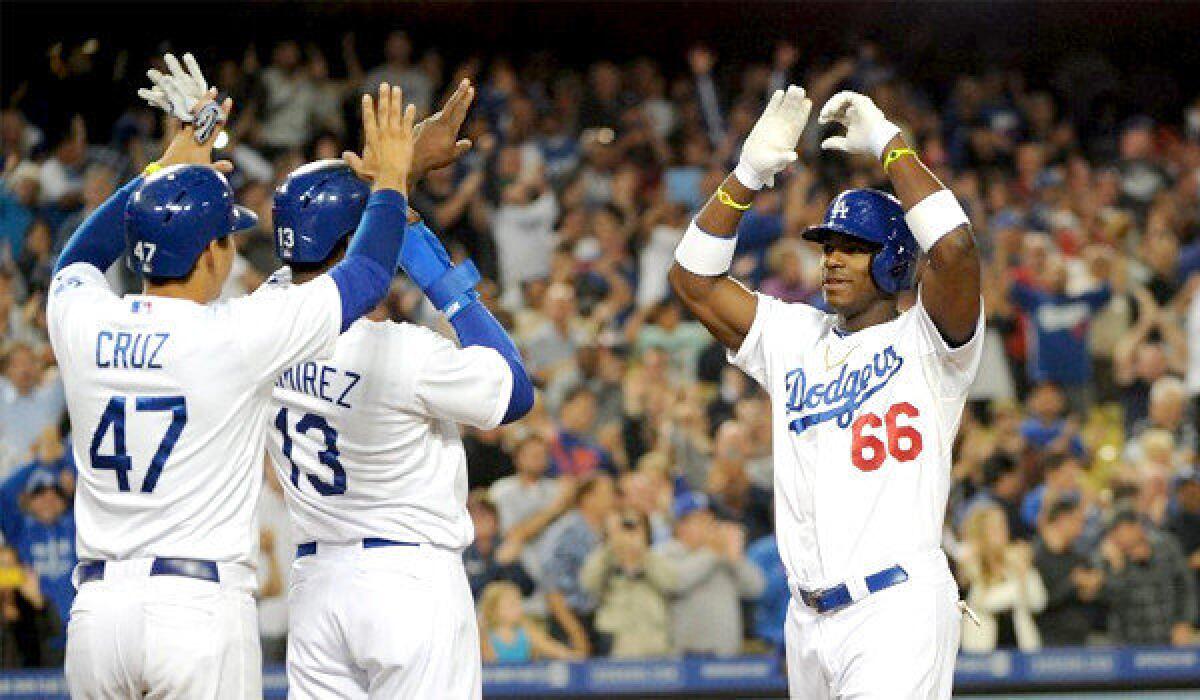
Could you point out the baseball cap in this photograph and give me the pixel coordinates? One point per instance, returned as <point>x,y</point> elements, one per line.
<point>40,479</point>
<point>687,503</point>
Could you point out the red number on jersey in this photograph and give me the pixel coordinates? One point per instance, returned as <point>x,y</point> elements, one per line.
<point>903,441</point>
<point>861,445</point>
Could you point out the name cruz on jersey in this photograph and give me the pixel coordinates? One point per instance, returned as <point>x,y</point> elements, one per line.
<point>842,396</point>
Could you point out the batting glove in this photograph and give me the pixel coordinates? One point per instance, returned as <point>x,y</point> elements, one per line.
<point>178,92</point>
<point>771,145</point>
<point>868,132</point>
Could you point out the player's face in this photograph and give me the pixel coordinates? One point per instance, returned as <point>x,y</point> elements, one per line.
<point>846,274</point>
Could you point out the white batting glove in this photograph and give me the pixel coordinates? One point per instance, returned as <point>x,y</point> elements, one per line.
<point>771,145</point>
<point>868,132</point>
<point>178,92</point>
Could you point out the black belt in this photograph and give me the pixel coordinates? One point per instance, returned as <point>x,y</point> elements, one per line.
<point>305,549</point>
<point>201,569</point>
<point>839,596</point>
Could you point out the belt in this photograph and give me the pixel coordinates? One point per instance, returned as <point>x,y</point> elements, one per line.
<point>305,549</point>
<point>838,596</point>
<point>201,569</point>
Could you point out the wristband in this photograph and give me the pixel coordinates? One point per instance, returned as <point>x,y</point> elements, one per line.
<point>880,136</point>
<point>748,177</point>
<point>896,154</point>
<point>934,217</point>
<point>459,304</point>
<point>458,282</point>
<point>724,198</point>
<point>152,168</point>
<point>704,254</point>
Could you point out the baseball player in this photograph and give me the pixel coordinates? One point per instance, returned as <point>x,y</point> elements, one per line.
<point>168,391</point>
<point>865,401</point>
<point>367,447</point>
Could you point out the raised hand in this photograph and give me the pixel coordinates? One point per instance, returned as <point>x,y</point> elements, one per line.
<point>187,146</point>
<point>388,136</point>
<point>868,132</point>
<point>177,92</point>
<point>771,145</point>
<point>435,139</point>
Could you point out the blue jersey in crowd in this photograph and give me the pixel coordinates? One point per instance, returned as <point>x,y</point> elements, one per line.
<point>48,548</point>
<point>771,612</point>
<point>1058,350</point>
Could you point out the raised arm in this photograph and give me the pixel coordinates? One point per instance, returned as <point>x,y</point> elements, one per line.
<point>364,275</point>
<point>951,280</point>
<point>100,239</point>
<point>702,260</point>
<point>451,289</point>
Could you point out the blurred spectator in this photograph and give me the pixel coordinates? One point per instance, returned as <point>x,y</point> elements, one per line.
<point>28,620</point>
<point>62,174</point>
<point>18,199</point>
<point>1002,584</point>
<point>1002,487</point>
<point>1047,428</point>
<point>714,576</point>
<point>1060,479</point>
<point>1167,411</point>
<point>1150,592</point>
<point>529,501</point>
<point>631,584</point>
<point>1058,330</point>
<point>507,635</point>
<point>550,348</point>
<point>770,611</point>
<point>1184,523</point>
<point>398,69</point>
<point>568,544</point>
<point>683,341</point>
<point>31,398</point>
<point>522,225</point>
<point>481,560</point>
<point>99,182</point>
<point>289,100</point>
<point>1150,349</point>
<point>1072,584</point>
<point>732,495</point>
<point>574,452</point>
<point>43,535</point>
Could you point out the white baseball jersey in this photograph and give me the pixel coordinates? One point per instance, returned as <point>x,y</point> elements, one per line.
<point>167,400</point>
<point>863,426</point>
<point>366,443</point>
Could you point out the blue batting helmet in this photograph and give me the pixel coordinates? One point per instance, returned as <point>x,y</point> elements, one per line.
<point>174,214</point>
<point>875,217</point>
<point>317,206</point>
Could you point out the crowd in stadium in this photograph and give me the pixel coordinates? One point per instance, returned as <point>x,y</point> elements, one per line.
<point>631,513</point>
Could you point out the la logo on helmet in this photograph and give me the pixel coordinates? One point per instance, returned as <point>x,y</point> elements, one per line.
<point>840,210</point>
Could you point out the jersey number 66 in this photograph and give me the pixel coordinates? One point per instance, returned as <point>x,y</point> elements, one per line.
<point>867,452</point>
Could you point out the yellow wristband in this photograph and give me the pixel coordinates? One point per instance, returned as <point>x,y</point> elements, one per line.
<point>896,154</point>
<point>724,198</point>
<point>152,168</point>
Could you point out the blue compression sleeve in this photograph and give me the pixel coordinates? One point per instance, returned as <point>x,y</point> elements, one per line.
<point>363,276</point>
<point>100,240</point>
<point>476,325</point>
